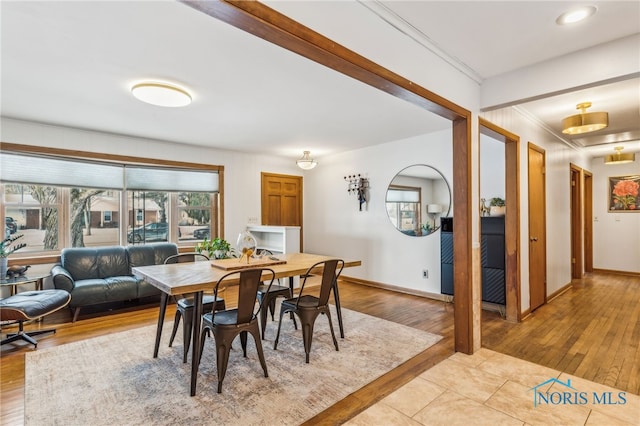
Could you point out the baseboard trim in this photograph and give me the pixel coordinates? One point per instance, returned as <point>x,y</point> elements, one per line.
<point>614,272</point>
<point>435,296</point>
<point>557,293</point>
<point>413,292</point>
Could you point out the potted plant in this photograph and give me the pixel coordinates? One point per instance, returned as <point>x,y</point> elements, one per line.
<point>6,249</point>
<point>218,248</point>
<point>497,207</point>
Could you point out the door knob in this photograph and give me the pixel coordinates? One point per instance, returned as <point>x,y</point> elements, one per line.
<point>532,239</point>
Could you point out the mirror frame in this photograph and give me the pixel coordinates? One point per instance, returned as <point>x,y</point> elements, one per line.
<point>424,229</point>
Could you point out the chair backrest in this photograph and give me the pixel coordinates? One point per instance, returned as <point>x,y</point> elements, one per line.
<point>185,258</point>
<point>331,270</point>
<point>248,282</point>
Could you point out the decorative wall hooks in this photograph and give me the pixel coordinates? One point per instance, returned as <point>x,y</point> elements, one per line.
<point>358,185</point>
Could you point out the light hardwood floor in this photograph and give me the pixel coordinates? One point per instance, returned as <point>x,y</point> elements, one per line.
<point>591,331</point>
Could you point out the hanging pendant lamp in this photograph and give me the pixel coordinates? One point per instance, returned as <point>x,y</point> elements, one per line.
<point>584,122</point>
<point>619,157</point>
<point>306,162</point>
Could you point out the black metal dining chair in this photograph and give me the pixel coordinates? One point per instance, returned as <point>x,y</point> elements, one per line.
<point>185,306</point>
<point>307,307</point>
<point>226,325</point>
<point>267,295</point>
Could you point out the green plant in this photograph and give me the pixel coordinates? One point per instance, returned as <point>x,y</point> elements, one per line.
<point>211,246</point>
<point>497,202</point>
<point>5,246</point>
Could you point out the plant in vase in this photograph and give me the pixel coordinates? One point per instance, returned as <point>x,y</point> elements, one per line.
<point>497,206</point>
<point>218,248</point>
<point>6,248</point>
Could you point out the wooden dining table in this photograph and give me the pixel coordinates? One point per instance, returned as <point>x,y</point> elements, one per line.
<point>196,277</point>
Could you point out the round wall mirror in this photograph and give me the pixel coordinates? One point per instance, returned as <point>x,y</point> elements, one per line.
<point>416,199</point>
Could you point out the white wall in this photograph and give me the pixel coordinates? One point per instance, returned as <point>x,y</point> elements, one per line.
<point>334,225</point>
<point>616,236</point>
<point>492,168</point>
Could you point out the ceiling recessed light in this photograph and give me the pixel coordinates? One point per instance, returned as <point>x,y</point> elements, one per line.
<point>161,94</point>
<point>576,15</point>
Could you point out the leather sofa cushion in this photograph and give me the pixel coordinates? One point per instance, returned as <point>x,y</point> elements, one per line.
<point>112,262</point>
<point>150,254</point>
<point>81,263</point>
<point>93,291</point>
<point>90,263</point>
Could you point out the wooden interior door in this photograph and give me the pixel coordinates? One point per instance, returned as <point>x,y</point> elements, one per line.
<point>588,220</point>
<point>576,220</point>
<point>537,228</point>
<point>282,200</point>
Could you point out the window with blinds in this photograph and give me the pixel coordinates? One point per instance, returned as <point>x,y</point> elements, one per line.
<point>60,202</point>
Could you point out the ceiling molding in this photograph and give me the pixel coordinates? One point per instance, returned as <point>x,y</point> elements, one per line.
<point>526,114</point>
<point>390,17</point>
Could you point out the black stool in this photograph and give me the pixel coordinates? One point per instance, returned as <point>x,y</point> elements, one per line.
<point>31,305</point>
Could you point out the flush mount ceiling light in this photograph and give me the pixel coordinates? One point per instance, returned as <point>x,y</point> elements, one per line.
<point>306,162</point>
<point>619,157</point>
<point>161,94</point>
<point>576,15</point>
<point>585,121</point>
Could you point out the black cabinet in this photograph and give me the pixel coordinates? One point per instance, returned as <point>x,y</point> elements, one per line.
<point>492,253</point>
<point>492,256</point>
<point>446,255</point>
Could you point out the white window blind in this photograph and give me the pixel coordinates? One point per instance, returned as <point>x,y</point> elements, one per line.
<point>402,196</point>
<point>156,179</point>
<point>70,172</point>
<point>30,169</point>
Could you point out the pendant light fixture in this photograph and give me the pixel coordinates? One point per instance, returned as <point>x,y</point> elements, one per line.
<point>584,122</point>
<point>619,157</point>
<point>306,162</point>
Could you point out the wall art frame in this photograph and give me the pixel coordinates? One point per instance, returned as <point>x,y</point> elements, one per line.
<point>624,194</point>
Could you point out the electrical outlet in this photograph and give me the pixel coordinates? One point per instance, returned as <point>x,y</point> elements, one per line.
<point>252,220</point>
<point>425,274</point>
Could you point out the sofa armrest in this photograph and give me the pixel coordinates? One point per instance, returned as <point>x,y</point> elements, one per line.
<point>62,279</point>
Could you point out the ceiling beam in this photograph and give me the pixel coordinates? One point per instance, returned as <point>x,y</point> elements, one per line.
<point>291,35</point>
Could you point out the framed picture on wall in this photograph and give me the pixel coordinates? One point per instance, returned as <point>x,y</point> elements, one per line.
<point>624,193</point>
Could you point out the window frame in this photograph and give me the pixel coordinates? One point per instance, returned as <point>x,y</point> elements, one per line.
<point>50,256</point>
<point>399,210</point>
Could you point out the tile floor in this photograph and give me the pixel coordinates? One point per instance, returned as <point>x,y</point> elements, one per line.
<point>489,388</point>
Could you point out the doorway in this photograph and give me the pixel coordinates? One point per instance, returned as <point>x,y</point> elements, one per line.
<point>575,215</point>
<point>537,227</point>
<point>281,200</point>
<point>588,220</point>
<point>512,216</point>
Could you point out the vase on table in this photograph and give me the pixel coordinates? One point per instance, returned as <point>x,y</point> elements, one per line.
<point>246,244</point>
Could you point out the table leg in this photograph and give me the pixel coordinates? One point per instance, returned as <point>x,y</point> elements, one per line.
<point>164,297</point>
<point>195,346</point>
<point>336,297</point>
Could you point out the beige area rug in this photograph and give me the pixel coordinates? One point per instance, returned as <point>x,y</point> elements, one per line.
<point>113,379</point>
